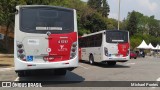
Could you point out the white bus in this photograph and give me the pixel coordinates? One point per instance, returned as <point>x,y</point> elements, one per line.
<point>109,46</point>
<point>45,39</point>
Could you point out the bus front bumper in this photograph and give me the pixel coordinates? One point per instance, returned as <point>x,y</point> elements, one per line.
<point>117,59</point>
<point>22,65</point>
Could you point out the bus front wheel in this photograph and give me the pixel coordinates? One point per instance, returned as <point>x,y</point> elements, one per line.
<point>111,63</point>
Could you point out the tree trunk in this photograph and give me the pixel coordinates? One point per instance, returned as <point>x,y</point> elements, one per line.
<point>6,39</point>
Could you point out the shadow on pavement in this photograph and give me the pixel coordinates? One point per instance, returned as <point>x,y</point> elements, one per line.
<point>70,76</point>
<point>55,81</point>
<point>105,65</point>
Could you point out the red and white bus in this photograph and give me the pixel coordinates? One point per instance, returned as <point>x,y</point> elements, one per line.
<point>45,39</point>
<point>109,46</point>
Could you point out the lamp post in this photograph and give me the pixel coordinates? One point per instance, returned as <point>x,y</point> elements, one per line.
<point>119,14</point>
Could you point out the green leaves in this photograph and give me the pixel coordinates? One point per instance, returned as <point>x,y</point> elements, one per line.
<point>101,6</point>
<point>142,27</point>
<point>132,23</point>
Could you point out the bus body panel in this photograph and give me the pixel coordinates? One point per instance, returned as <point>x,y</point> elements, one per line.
<point>116,51</point>
<point>35,45</point>
<point>60,44</point>
<point>22,65</point>
<point>47,51</point>
<point>95,51</point>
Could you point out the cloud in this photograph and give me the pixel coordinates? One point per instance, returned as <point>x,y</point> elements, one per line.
<point>152,6</point>
<point>147,7</point>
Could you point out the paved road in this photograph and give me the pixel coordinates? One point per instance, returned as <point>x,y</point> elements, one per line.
<point>141,69</point>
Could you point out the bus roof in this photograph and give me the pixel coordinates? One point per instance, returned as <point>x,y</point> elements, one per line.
<point>44,6</point>
<point>101,32</point>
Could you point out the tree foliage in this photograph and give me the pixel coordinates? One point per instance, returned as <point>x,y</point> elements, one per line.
<point>132,24</point>
<point>148,29</point>
<point>101,6</point>
<point>92,17</point>
<point>105,8</point>
<point>7,17</point>
<point>95,4</point>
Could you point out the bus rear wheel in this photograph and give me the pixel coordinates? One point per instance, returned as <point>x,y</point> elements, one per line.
<point>91,59</point>
<point>60,72</point>
<point>111,63</point>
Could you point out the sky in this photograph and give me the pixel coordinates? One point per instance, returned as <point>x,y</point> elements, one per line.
<point>147,7</point>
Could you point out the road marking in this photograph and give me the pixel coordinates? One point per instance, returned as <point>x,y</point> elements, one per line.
<point>130,63</point>
<point>83,67</point>
<point>6,69</point>
<point>17,79</point>
<point>156,83</point>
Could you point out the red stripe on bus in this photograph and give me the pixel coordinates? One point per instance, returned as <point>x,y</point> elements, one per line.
<point>80,53</point>
<point>123,49</point>
<point>60,45</point>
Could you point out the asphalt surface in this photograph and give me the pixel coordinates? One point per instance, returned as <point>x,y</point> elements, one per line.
<point>141,69</point>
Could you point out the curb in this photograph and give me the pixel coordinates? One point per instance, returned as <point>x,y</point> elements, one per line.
<point>6,55</point>
<point>6,69</point>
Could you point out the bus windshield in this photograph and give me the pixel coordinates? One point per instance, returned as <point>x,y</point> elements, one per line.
<point>116,36</point>
<point>43,19</point>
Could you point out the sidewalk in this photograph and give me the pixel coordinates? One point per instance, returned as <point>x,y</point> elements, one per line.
<point>6,69</point>
<point>6,55</point>
<point>6,60</point>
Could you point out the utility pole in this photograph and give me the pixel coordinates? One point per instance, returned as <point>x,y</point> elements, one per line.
<point>119,14</point>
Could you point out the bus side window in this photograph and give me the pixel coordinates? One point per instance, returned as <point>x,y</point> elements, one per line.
<point>98,40</point>
<point>92,41</point>
<point>81,42</point>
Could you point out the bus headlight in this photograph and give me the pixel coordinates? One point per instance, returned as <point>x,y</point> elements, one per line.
<point>20,51</point>
<point>19,45</point>
<point>128,53</point>
<point>105,51</point>
<point>73,50</point>
<point>22,57</point>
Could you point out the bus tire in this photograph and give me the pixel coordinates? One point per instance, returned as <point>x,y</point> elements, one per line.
<point>111,63</point>
<point>60,72</point>
<point>91,59</point>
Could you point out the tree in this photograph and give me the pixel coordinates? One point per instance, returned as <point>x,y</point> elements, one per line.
<point>105,8</point>
<point>7,12</point>
<point>95,22</point>
<point>38,2</point>
<point>7,9</point>
<point>153,26</point>
<point>112,24</point>
<point>101,6</point>
<point>95,4</point>
<point>132,23</point>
